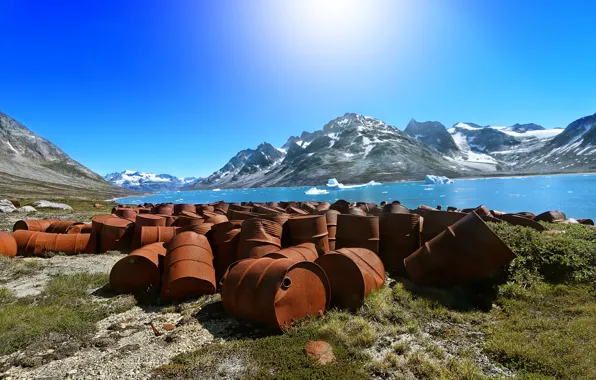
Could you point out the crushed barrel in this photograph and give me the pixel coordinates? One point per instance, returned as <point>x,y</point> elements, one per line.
<point>465,252</point>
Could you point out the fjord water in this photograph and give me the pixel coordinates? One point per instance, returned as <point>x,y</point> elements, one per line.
<point>573,194</point>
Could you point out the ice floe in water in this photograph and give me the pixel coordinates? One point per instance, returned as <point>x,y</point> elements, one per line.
<point>315,191</point>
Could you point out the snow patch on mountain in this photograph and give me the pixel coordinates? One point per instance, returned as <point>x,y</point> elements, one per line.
<point>143,181</point>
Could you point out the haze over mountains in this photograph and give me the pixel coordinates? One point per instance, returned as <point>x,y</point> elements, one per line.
<point>30,164</point>
<point>357,149</point>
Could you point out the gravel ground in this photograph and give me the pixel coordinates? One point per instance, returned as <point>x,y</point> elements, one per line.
<point>27,276</point>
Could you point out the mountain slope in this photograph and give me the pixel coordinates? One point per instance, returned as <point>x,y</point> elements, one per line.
<point>29,160</point>
<point>352,148</point>
<point>434,135</point>
<point>141,181</point>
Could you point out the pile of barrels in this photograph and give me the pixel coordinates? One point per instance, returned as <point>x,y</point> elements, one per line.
<point>274,263</point>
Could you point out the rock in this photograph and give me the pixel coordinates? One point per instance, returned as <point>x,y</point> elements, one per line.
<point>320,351</point>
<point>6,206</point>
<point>54,205</point>
<point>104,342</point>
<point>97,205</point>
<point>587,222</point>
<point>15,203</point>
<point>27,209</point>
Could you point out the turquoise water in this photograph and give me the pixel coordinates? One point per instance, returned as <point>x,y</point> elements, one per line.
<point>573,194</point>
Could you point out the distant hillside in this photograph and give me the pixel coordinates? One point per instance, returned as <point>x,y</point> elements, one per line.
<point>149,182</point>
<point>30,164</point>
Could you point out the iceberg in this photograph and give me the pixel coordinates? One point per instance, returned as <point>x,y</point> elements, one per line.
<point>333,184</point>
<point>436,180</point>
<point>315,191</point>
<point>216,190</point>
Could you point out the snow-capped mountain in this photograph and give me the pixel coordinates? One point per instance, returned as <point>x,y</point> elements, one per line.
<point>434,135</point>
<point>352,148</point>
<point>141,181</point>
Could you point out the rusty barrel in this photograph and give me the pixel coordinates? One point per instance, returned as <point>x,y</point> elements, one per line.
<point>221,208</point>
<point>97,227</point>
<point>265,210</point>
<point>126,213</point>
<point>395,208</point>
<point>225,245</point>
<point>163,210</point>
<point>61,226</point>
<point>8,245</point>
<point>323,206</point>
<point>400,236</point>
<point>138,272</point>
<point>341,205</point>
<point>156,234</point>
<point>216,219</point>
<point>145,220</point>
<point>550,216</point>
<point>295,210</point>
<point>436,221</point>
<point>33,225</point>
<point>309,229</point>
<point>356,231</point>
<point>331,216</point>
<point>274,292</point>
<point>31,243</point>
<point>187,220</point>
<point>465,252</point>
<point>301,252</point>
<point>518,220</point>
<point>309,207</point>
<point>180,207</point>
<point>116,234</point>
<point>353,274</point>
<point>258,237</point>
<point>80,228</point>
<point>188,268</point>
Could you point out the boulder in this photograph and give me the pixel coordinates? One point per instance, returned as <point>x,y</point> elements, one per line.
<point>6,206</point>
<point>53,205</point>
<point>27,209</point>
<point>320,351</point>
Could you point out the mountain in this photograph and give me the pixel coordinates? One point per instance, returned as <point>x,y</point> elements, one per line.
<point>432,134</point>
<point>352,148</point>
<point>573,150</point>
<point>141,181</point>
<point>30,164</point>
<point>357,149</point>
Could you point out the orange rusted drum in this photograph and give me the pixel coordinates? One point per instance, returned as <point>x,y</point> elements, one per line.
<point>258,237</point>
<point>156,234</point>
<point>145,220</point>
<point>217,219</point>
<point>116,234</point>
<point>465,252</point>
<point>401,235</point>
<point>97,227</point>
<point>550,216</point>
<point>38,243</point>
<point>221,208</point>
<point>188,268</point>
<point>395,208</point>
<point>301,252</point>
<point>518,220</point>
<point>82,228</point>
<point>185,220</point>
<point>274,292</point>
<point>353,274</point>
<point>242,215</point>
<point>8,245</point>
<point>356,211</point>
<point>309,207</point>
<point>138,272</point>
<point>265,210</point>
<point>178,208</point>
<point>126,213</point>
<point>355,231</point>
<point>309,229</point>
<point>323,206</point>
<point>163,210</point>
<point>33,225</point>
<point>225,245</point>
<point>295,210</point>
<point>436,222</point>
<point>61,226</point>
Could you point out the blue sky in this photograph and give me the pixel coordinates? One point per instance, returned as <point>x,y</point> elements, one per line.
<point>180,86</point>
